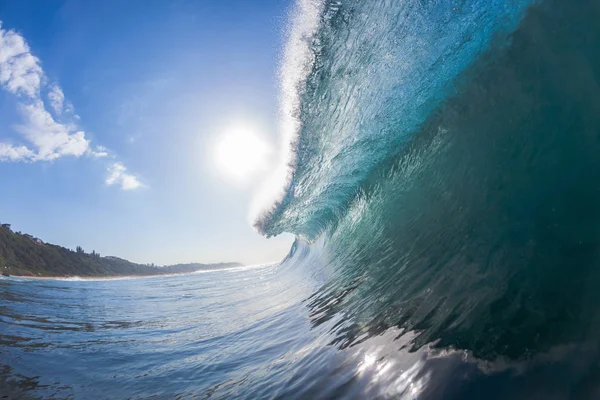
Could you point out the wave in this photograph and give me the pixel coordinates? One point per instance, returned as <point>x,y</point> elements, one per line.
<point>444,172</point>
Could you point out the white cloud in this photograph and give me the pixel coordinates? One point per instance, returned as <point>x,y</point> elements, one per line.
<point>46,138</point>
<point>100,151</point>
<point>22,75</point>
<point>20,71</point>
<point>57,98</point>
<point>12,153</point>
<point>51,139</point>
<point>117,175</point>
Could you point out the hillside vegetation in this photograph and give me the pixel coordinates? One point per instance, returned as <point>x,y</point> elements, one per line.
<point>22,254</point>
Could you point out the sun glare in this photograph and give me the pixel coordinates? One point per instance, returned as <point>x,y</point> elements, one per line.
<point>240,153</point>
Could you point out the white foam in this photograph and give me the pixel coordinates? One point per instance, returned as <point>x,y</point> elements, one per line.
<point>297,62</point>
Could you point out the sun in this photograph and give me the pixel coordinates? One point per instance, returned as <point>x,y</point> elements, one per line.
<point>240,153</point>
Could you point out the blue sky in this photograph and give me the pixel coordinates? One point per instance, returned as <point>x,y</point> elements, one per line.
<point>109,115</point>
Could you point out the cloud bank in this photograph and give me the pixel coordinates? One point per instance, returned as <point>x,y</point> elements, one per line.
<point>45,137</point>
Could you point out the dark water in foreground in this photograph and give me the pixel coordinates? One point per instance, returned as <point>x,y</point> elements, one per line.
<point>446,198</point>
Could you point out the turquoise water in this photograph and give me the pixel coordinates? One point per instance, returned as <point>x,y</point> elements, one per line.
<point>444,194</point>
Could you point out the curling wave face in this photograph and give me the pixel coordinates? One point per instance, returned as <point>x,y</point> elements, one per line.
<point>359,80</point>
<point>447,160</point>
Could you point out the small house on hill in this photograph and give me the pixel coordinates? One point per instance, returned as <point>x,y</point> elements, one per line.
<point>33,239</point>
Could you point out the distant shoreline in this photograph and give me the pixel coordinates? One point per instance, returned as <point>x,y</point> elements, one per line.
<point>126,277</point>
<point>107,278</point>
<point>25,256</point>
<point>85,278</point>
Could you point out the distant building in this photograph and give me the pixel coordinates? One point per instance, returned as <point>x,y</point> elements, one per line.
<point>33,239</point>
<point>6,226</point>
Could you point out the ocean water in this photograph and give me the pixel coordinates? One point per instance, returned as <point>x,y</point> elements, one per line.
<point>444,190</point>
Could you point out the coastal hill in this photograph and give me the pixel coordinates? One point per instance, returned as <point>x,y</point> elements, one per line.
<point>25,255</point>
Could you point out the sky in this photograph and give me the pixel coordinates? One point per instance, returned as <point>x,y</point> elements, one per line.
<point>117,118</point>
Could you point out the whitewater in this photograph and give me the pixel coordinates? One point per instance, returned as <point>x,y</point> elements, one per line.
<point>440,173</point>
